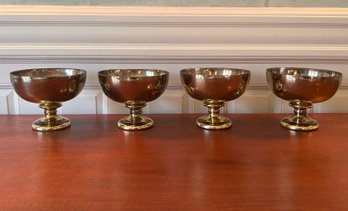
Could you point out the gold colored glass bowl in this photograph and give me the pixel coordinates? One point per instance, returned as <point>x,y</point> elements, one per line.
<point>302,87</point>
<point>48,87</point>
<point>134,88</point>
<point>214,86</point>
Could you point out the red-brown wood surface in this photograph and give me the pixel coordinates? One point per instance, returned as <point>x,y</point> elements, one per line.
<point>255,165</point>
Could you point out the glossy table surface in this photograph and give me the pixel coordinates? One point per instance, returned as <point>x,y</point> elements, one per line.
<point>255,165</point>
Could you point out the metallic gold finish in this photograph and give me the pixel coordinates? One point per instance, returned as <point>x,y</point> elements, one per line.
<point>48,87</point>
<point>135,121</point>
<point>134,88</point>
<point>214,86</point>
<point>302,87</point>
<point>214,121</point>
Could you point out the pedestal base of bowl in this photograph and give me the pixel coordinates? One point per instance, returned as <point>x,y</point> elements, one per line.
<point>51,121</point>
<point>299,120</point>
<point>299,123</point>
<point>214,121</point>
<point>217,122</point>
<point>135,121</point>
<point>138,122</point>
<point>51,124</point>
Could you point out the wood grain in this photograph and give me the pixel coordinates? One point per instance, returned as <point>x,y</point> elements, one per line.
<point>255,165</point>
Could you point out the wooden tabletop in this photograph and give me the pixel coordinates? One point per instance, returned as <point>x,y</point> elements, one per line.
<point>255,165</point>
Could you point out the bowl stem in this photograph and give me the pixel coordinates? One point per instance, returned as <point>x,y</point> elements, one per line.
<point>135,121</point>
<point>214,121</point>
<point>51,121</point>
<point>299,120</point>
<point>50,108</point>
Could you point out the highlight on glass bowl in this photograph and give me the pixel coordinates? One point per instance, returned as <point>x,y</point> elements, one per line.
<point>214,86</point>
<point>48,87</point>
<point>134,88</point>
<point>302,87</point>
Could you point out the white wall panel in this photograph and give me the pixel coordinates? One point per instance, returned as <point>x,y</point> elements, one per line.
<point>26,107</point>
<point>113,107</point>
<point>85,103</point>
<point>286,108</point>
<point>172,39</point>
<point>255,101</point>
<point>5,101</point>
<point>171,101</point>
<point>12,102</point>
<point>337,104</point>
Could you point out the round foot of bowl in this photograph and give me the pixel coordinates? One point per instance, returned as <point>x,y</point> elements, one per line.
<point>138,122</point>
<point>51,124</point>
<point>299,123</point>
<point>217,122</point>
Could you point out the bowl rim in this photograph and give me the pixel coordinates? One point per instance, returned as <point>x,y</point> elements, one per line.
<point>18,73</point>
<point>303,68</point>
<point>162,72</point>
<point>241,71</point>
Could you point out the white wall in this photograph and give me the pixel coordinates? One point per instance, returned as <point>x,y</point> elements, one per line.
<point>97,38</point>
